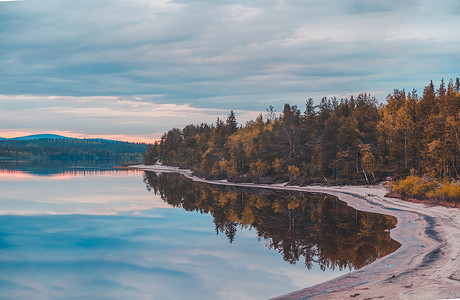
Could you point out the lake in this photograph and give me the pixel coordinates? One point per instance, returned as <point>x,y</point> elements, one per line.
<point>99,233</point>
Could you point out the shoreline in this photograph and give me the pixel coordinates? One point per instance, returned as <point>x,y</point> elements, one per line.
<point>424,267</point>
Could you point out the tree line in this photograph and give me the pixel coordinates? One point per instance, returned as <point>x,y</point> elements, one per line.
<point>346,140</point>
<point>70,148</point>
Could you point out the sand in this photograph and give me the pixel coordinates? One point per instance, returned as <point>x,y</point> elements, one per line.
<point>426,266</point>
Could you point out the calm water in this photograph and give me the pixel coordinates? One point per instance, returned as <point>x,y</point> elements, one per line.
<point>89,234</point>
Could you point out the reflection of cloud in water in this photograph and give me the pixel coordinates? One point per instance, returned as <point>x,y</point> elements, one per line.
<point>124,257</point>
<point>108,237</point>
<point>13,175</point>
<point>93,193</point>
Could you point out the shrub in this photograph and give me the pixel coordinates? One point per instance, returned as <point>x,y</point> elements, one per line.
<point>414,186</point>
<point>448,191</point>
<point>423,188</point>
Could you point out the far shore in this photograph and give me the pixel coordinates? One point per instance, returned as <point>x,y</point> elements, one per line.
<point>426,266</point>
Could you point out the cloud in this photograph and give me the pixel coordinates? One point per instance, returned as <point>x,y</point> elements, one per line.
<point>369,6</point>
<point>122,118</point>
<point>226,54</point>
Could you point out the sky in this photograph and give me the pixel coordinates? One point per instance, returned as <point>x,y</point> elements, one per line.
<point>132,69</point>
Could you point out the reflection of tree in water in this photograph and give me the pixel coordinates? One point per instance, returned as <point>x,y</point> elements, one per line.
<point>316,227</point>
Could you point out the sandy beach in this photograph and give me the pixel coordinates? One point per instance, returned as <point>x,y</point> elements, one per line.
<point>426,266</point>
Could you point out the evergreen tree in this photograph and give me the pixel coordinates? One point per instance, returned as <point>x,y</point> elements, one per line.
<point>348,139</point>
<point>231,122</point>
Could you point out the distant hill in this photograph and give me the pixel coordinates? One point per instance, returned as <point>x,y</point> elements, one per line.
<point>54,146</point>
<point>39,136</point>
<point>56,137</point>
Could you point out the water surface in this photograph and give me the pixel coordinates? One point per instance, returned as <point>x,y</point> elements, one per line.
<point>103,235</point>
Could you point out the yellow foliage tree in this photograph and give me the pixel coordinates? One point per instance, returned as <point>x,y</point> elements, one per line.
<point>279,165</point>
<point>259,168</point>
<point>368,161</point>
<point>294,172</point>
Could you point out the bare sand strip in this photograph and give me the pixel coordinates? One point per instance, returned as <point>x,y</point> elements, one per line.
<point>426,266</point>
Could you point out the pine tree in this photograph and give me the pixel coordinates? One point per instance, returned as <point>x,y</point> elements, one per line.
<point>231,122</point>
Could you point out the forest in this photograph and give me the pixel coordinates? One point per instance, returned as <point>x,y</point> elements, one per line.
<point>70,148</point>
<point>351,140</point>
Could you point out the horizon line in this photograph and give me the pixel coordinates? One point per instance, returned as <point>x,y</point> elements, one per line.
<point>113,137</point>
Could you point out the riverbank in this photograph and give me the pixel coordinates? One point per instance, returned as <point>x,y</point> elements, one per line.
<point>426,266</point>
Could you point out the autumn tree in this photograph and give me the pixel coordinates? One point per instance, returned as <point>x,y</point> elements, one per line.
<point>352,139</point>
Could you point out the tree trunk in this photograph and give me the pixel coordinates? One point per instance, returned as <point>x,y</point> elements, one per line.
<point>365,175</point>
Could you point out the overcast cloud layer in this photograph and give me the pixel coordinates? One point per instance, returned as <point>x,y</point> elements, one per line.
<point>207,55</point>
